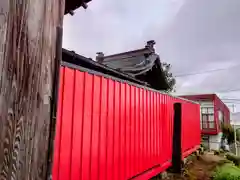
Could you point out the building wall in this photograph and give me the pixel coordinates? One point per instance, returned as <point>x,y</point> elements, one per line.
<point>212,138</point>
<point>221,111</point>
<point>221,107</point>
<point>206,104</point>
<point>212,142</point>
<point>215,141</point>
<point>235,118</point>
<point>205,141</point>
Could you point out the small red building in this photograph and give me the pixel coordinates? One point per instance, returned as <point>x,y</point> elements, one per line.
<point>213,113</point>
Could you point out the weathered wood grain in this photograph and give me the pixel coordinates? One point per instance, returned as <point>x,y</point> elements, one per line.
<point>27,58</point>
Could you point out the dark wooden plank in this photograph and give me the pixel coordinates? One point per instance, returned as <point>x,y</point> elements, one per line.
<point>177,139</point>
<point>27,66</point>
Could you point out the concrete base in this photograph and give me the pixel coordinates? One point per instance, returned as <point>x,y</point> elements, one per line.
<point>215,141</point>
<point>212,142</point>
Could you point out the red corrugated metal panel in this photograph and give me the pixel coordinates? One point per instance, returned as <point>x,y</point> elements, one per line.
<point>220,106</point>
<point>113,130</point>
<point>191,137</point>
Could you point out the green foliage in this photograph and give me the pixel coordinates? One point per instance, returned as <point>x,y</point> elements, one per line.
<point>228,133</point>
<point>221,151</point>
<point>238,134</point>
<point>204,147</point>
<point>169,76</point>
<point>227,172</point>
<point>216,152</point>
<point>201,150</point>
<point>235,159</point>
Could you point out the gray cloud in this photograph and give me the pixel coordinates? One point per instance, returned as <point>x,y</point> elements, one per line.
<point>204,31</point>
<point>192,35</point>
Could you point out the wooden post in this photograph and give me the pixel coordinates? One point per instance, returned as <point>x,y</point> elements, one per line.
<point>28,34</point>
<point>177,139</point>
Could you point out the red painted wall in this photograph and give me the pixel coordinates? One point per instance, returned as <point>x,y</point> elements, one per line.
<point>107,129</point>
<point>218,105</point>
<point>190,118</point>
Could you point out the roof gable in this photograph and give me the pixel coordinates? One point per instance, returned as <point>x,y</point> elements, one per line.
<point>143,64</point>
<point>71,59</point>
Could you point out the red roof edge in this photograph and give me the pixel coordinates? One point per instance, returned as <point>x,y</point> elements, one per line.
<point>196,97</point>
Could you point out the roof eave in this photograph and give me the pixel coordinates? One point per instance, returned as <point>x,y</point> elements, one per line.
<point>72,5</point>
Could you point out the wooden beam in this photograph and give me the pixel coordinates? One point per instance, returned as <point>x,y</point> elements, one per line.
<point>177,139</point>
<point>27,66</point>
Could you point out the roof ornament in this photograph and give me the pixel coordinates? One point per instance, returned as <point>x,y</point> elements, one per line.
<point>84,5</point>
<point>100,57</point>
<point>150,45</point>
<point>71,12</point>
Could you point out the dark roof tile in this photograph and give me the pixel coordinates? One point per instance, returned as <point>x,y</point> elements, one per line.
<point>143,64</point>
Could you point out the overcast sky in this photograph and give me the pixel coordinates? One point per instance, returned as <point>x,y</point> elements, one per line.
<point>193,35</point>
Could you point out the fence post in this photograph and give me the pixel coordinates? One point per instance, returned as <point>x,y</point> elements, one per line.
<point>177,139</point>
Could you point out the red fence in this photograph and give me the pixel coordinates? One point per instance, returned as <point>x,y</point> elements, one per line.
<point>191,127</point>
<point>107,129</point>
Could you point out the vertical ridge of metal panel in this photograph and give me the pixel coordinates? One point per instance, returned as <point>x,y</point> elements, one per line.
<point>141,129</point>
<point>103,124</point>
<point>91,127</point>
<point>165,135</point>
<point>110,135</point>
<point>161,127</point>
<point>169,127</point>
<point>87,121</point>
<point>77,125</point>
<point>137,134</point>
<point>72,122</point>
<point>99,128</point>
<point>95,128</point>
<point>135,124</point>
<point>171,123</point>
<point>57,145</point>
<point>66,135</point>
<point>132,127</point>
<point>148,128</point>
<point>107,131</point>
<point>113,126</point>
<point>83,114</point>
<point>127,106</point>
<point>123,122</point>
<point>155,128</point>
<point>144,131</point>
<point>117,134</point>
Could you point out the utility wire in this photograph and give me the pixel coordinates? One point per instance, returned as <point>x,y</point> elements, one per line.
<point>231,102</point>
<point>230,99</point>
<point>220,91</point>
<point>211,71</point>
<point>207,71</point>
<point>230,90</point>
